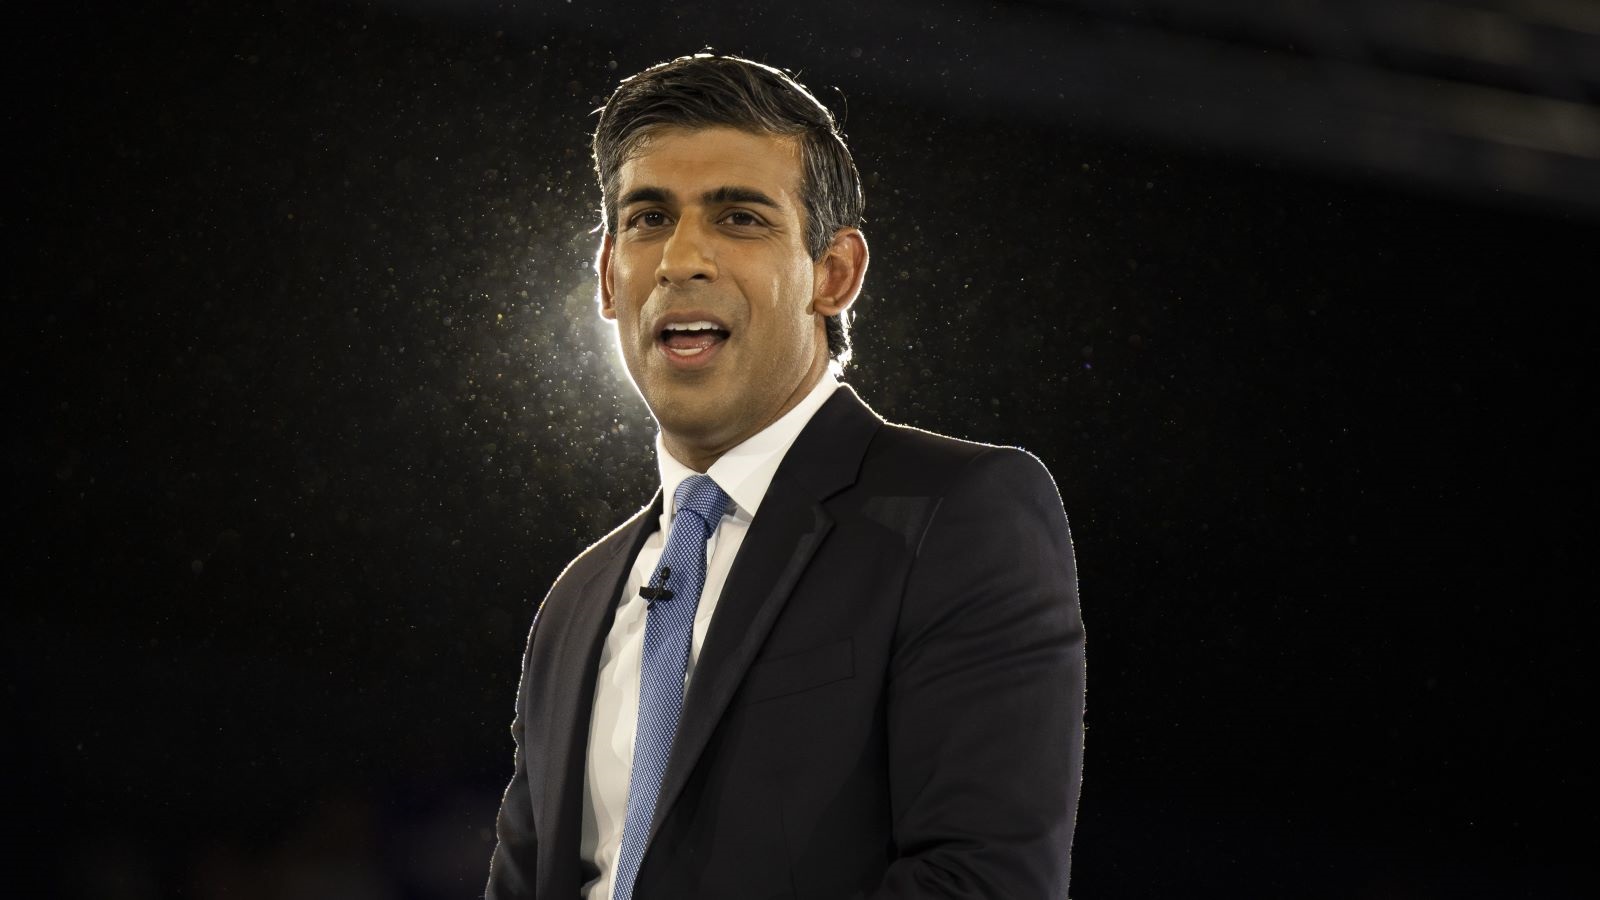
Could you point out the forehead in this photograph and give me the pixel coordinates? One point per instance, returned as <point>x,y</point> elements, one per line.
<point>689,162</point>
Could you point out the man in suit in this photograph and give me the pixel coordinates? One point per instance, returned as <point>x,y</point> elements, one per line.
<point>834,657</point>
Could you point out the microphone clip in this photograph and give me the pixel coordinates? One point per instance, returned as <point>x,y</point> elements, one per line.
<point>658,591</point>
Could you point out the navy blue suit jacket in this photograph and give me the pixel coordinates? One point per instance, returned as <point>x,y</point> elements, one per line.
<point>888,703</point>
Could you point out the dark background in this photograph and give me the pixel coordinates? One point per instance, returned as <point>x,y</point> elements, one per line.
<point>312,404</point>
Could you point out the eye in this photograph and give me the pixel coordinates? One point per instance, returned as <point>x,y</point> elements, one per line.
<point>649,219</point>
<point>742,218</point>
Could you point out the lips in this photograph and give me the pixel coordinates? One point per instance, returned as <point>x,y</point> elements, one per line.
<point>688,339</point>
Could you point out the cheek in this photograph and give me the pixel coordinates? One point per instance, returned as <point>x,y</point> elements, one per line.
<point>799,306</point>
<point>632,268</point>
<point>622,276</point>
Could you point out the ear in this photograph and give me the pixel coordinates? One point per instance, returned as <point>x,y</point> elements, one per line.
<point>602,265</point>
<point>839,273</point>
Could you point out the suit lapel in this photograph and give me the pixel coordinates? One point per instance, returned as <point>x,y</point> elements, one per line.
<point>783,537</point>
<point>571,678</point>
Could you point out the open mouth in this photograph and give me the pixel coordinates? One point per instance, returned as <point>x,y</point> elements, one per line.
<point>686,339</point>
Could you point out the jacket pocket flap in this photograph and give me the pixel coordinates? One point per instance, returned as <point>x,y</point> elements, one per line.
<point>798,672</point>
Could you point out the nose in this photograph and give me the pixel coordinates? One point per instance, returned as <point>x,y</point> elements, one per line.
<point>687,256</point>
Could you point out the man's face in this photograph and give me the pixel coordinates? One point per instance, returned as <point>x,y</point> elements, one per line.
<point>707,277</point>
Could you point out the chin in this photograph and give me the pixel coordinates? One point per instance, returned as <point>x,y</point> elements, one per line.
<point>690,414</point>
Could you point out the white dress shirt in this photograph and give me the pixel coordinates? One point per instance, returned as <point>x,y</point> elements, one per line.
<point>743,473</point>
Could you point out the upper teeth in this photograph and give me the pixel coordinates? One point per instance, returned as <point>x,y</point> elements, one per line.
<point>691,326</point>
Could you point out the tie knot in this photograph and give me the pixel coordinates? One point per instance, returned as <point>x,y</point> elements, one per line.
<point>701,496</point>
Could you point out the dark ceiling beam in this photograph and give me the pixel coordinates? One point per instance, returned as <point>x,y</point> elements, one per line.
<point>1488,100</point>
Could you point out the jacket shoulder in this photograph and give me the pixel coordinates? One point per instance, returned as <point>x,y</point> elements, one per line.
<point>594,558</point>
<point>924,462</point>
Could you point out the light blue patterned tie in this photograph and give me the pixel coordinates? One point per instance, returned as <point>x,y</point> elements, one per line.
<point>668,629</point>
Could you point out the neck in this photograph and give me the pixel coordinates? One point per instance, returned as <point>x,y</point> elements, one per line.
<point>700,456</point>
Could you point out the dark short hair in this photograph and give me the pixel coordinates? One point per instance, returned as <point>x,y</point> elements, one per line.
<point>706,90</point>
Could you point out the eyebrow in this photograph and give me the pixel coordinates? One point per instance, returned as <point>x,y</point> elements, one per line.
<point>724,194</point>
<point>734,194</point>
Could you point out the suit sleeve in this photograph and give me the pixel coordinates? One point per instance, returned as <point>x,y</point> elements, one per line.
<point>986,694</point>
<point>516,852</point>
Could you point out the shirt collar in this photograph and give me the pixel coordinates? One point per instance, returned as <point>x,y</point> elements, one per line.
<point>745,472</point>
